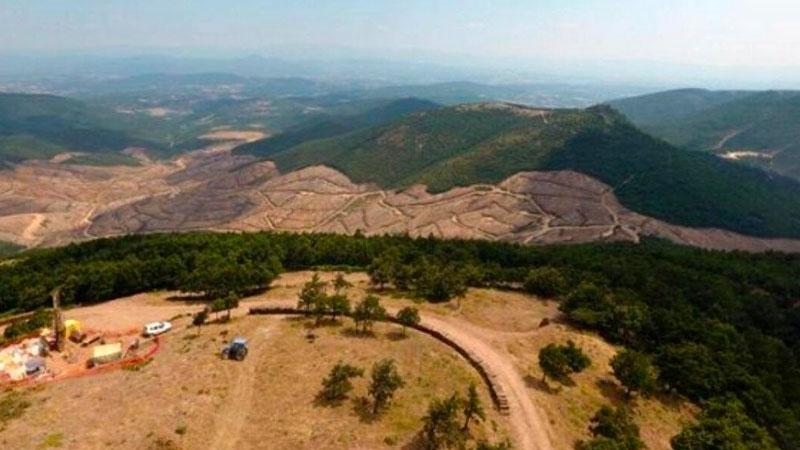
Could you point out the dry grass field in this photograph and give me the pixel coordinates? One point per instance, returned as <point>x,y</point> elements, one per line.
<point>188,398</point>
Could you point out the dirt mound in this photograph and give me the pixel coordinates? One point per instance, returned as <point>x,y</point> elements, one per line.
<point>47,203</point>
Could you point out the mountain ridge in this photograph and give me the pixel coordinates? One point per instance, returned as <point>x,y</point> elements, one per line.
<point>486,143</point>
<point>758,128</point>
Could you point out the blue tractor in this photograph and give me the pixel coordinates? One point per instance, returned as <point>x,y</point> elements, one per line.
<point>237,349</point>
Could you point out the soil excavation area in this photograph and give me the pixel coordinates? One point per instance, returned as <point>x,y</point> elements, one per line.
<point>54,202</point>
<point>189,398</point>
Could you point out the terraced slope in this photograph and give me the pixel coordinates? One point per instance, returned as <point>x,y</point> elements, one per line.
<point>48,203</point>
<point>487,143</point>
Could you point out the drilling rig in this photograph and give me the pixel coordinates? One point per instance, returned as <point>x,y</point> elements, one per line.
<point>58,321</point>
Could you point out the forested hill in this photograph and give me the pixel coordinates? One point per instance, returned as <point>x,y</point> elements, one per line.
<point>329,126</point>
<point>719,326</point>
<point>671,106</point>
<point>757,128</point>
<point>40,126</point>
<point>485,143</point>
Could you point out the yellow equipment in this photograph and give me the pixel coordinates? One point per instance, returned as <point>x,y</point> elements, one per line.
<point>71,326</point>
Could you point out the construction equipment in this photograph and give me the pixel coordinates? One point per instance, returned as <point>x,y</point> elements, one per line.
<point>58,321</point>
<point>237,349</point>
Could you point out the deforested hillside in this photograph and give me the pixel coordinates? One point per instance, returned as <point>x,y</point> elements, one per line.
<point>486,143</point>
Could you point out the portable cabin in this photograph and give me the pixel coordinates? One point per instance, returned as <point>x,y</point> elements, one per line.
<point>103,354</point>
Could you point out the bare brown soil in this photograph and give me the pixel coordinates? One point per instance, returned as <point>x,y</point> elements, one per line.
<point>51,203</point>
<point>234,135</point>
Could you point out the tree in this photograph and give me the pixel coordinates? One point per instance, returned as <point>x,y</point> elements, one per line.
<point>440,425</point>
<point>337,385</point>
<point>311,294</point>
<point>385,381</point>
<point>723,424</point>
<point>382,268</point>
<point>320,307</point>
<point>408,316</point>
<point>340,283</point>
<point>576,359</point>
<point>553,362</point>
<point>545,282</point>
<point>635,371</point>
<point>230,301</point>
<point>217,306</point>
<point>612,429</point>
<point>559,361</point>
<point>200,318</point>
<point>691,368</point>
<point>472,407</point>
<point>338,305</point>
<point>367,312</point>
<point>439,283</point>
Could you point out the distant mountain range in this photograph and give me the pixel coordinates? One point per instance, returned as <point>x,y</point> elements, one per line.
<point>758,128</point>
<point>485,143</point>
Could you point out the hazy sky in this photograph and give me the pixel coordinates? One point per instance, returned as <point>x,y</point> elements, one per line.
<point>704,32</point>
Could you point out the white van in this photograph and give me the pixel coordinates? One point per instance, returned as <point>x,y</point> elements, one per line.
<point>156,328</point>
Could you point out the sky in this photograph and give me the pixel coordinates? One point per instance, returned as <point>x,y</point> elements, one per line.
<point>730,34</point>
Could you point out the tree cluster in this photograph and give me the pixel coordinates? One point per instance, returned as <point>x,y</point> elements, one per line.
<point>612,429</point>
<point>315,299</point>
<point>427,278</point>
<point>559,361</point>
<point>446,425</point>
<point>713,323</point>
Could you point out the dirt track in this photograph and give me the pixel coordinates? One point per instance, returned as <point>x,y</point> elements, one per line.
<point>530,427</point>
<point>531,430</point>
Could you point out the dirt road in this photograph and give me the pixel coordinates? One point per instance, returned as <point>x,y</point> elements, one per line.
<point>531,430</point>
<point>530,427</point>
<point>233,414</point>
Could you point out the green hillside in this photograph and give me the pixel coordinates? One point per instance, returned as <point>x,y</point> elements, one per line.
<point>670,106</point>
<point>328,126</point>
<point>464,145</point>
<point>766,124</point>
<point>40,126</point>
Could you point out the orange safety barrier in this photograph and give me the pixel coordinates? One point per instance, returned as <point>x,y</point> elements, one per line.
<point>109,367</point>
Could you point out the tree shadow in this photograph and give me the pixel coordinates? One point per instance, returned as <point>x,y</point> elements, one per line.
<point>356,333</point>
<point>189,299</point>
<point>396,335</point>
<point>541,385</point>
<point>416,443</point>
<point>671,400</point>
<point>612,391</point>
<point>321,402</point>
<point>363,409</point>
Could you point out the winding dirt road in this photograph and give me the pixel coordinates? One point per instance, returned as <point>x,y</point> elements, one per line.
<point>531,430</point>
<point>530,427</point>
